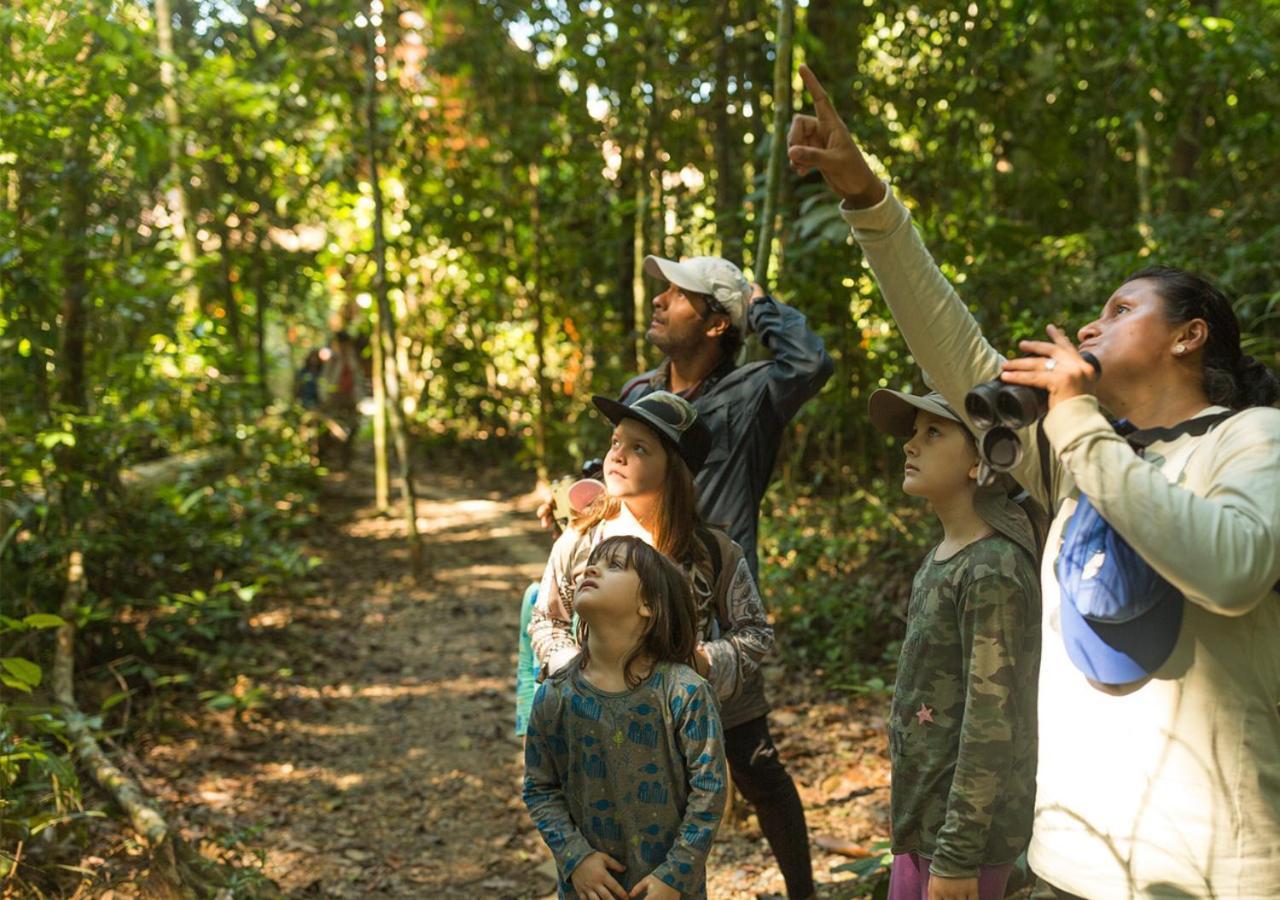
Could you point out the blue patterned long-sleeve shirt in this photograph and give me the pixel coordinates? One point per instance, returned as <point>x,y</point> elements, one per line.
<point>637,774</point>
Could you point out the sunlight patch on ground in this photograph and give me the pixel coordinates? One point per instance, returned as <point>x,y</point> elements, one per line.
<point>463,685</point>
<point>479,534</point>
<point>499,574</point>
<point>329,730</point>
<point>287,772</point>
<point>272,618</point>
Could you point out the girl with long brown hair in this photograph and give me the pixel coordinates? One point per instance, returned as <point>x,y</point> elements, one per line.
<point>658,445</point>
<point>624,755</point>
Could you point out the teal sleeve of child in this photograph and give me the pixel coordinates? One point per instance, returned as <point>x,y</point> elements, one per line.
<point>701,741</point>
<point>545,757</point>
<point>993,634</point>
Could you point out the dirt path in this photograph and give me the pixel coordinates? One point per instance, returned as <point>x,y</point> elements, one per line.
<point>385,763</point>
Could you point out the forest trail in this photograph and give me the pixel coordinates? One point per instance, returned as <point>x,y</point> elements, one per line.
<point>384,762</point>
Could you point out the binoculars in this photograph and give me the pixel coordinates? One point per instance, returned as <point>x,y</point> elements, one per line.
<point>572,496</point>
<point>999,410</point>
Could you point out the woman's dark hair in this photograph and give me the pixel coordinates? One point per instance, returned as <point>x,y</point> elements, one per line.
<point>678,519</point>
<point>671,633</point>
<point>1231,377</point>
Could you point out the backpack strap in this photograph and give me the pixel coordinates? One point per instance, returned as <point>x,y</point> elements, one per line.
<point>712,545</point>
<point>1139,439</point>
<point>1142,438</point>
<point>715,555</point>
<point>1046,476</point>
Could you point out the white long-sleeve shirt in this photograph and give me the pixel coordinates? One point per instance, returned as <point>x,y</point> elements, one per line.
<point>1174,789</point>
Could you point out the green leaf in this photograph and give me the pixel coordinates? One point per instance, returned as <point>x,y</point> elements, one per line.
<point>191,500</point>
<point>43,620</point>
<point>23,669</point>
<point>861,867</point>
<point>115,699</point>
<point>51,439</point>
<point>9,681</point>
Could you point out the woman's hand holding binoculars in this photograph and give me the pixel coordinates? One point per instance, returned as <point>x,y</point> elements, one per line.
<point>1057,368</point>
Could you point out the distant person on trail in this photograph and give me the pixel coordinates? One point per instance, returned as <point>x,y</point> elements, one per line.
<point>962,727</point>
<point>658,446</point>
<point>700,321</point>
<point>340,393</point>
<point>307,387</point>
<point>342,372</point>
<point>624,757</point>
<point>1159,747</point>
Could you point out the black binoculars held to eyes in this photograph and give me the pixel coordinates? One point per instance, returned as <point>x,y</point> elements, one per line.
<point>999,410</point>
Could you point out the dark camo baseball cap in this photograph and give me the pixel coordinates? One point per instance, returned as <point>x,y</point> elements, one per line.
<point>671,416</point>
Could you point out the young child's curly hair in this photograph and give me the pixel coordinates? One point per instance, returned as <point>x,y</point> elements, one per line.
<point>671,634</point>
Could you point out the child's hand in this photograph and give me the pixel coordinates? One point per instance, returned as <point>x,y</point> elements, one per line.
<point>652,888</point>
<point>702,661</point>
<point>952,888</point>
<point>591,879</point>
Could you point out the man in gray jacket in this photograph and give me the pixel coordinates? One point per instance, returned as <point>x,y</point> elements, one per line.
<point>699,322</point>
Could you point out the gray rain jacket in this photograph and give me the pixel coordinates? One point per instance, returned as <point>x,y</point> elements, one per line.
<point>747,407</point>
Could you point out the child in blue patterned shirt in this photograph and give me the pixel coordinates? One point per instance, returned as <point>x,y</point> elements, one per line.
<point>624,755</point>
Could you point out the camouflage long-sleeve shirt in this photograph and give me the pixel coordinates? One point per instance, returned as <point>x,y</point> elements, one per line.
<point>638,774</point>
<point>962,731</point>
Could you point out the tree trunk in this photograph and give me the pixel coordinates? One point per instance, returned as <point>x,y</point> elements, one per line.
<point>77,191</point>
<point>1188,140</point>
<point>539,330</point>
<point>217,179</point>
<point>387,326</point>
<point>729,219</point>
<point>629,178</point>
<point>636,321</point>
<point>20,290</point>
<point>178,202</point>
<point>381,466</point>
<point>1142,165</point>
<point>261,302</point>
<point>777,140</point>
<point>72,393</point>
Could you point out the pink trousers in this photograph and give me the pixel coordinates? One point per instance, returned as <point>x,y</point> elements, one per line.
<point>909,879</point>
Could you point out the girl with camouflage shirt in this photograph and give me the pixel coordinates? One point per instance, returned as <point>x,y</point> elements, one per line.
<point>962,730</point>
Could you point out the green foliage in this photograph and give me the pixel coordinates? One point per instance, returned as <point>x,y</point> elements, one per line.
<point>173,575</point>
<point>872,875</point>
<point>838,576</point>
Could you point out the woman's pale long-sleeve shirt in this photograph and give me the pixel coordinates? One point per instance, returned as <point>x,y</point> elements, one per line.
<point>1174,789</point>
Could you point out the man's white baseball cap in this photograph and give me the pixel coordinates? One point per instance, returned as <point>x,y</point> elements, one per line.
<point>711,275</point>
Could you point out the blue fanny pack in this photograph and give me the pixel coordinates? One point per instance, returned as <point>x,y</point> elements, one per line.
<point>1120,618</point>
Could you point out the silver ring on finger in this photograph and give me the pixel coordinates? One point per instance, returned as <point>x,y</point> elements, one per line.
<point>1050,364</point>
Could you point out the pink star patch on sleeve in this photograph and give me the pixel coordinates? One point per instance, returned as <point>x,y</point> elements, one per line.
<point>924,714</point>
